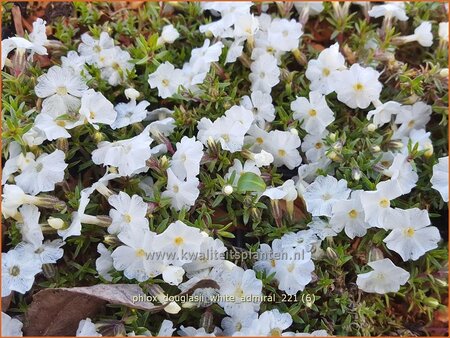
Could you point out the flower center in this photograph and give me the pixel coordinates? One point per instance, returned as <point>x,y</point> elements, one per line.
<point>239,292</point>
<point>178,240</point>
<point>140,253</point>
<point>411,123</point>
<point>61,123</point>
<point>262,75</point>
<point>276,332</point>
<point>409,232</point>
<point>127,218</point>
<point>353,213</point>
<point>358,86</point>
<point>318,145</point>
<point>259,140</point>
<point>61,90</point>
<point>326,196</point>
<point>226,137</point>
<point>380,276</point>
<point>14,271</point>
<point>92,115</point>
<point>285,33</point>
<point>290,267</point>
<point>282,152</point>
<point>325,72</point>
<point>273,263</point>
<point>176,188</point>
<point>384,203</point>
<point>165,83</point>
<point>312,112</point>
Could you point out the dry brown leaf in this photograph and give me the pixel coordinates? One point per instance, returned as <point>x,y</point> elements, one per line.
<point>57,312</point>
<point>6,302</point>
<point>17,18</point>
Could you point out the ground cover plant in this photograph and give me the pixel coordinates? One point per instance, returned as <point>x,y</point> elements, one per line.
<point>224,168</point>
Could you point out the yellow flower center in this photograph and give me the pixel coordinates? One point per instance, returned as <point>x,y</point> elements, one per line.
<point>14,271</point>
<point>92,115</point>
<point>273,263</point>
<point>276,332</point>
<point>127,218</point>
<point>165,83</point>
<point>358,86</point>
<point>353,213</point>
<point>326,72</point>
<point>239,293</point>
<point>178,240</point>
<point>290,267</point>
<point>411,123</point>
<point>282,153</point>
<point>61,123</point>
<point>61,90</point>
<point>326,197</point>
<point>259,140</point>
<point>140,253</point>
<point>318,145</point>
<point>384,203</point>
<point>312,112</point>
<point>176,188</point>
<point>226,137</point>
<point>409,232</point>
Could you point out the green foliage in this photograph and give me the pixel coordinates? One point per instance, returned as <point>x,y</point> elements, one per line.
<point>333,302</point>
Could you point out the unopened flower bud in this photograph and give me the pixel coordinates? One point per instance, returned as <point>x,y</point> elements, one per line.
<point>206,321</point>
<point>429,150</point>
<point>371,127</point>
<point>111,240</point>
<point>50,202</point>
<point>111,328</point>
<point>332,137</point>
<point>432,302</point>
<point>396,144</point>
<point>227,190</point>
<point>332,155</point>
<point>331,254</point>
<point>375,254</point>
<point>441,282</point>
<point>337,146</point>
<point>444,73</point>
<point>376,149</point>
<point>356,174</point>
<point>132,94</point>
<point>294,131</point>
<point>49,270</point>
<point>56,223</point>
<point>172,308</point>
<point>164,161</point>
<point>62,144</point>
<point>98,137</point>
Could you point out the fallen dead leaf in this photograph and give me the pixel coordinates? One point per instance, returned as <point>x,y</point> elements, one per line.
<point>17,18</point>
<point>57,312</point>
